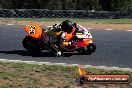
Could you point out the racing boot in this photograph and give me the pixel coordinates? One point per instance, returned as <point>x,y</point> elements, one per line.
<point>55,50</point>
<point>58,54</point>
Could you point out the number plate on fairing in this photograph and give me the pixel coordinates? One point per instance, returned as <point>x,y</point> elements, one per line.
<point>84,36</point>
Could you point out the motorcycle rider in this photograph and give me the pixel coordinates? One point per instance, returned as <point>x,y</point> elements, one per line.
<point>69,30</point>
<point>62,33</point>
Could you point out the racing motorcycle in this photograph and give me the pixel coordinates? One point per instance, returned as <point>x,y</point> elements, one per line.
<point>82,41</point>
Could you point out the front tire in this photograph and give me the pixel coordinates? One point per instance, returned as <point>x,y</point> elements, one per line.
<point>31,44</point>
<point>88,49</point>
<point>91,47</point>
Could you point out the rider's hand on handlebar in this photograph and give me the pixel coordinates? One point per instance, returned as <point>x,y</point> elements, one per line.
<point>66,43</point>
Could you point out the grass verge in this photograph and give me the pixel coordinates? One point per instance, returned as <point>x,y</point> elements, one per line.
<point>120,24</point>
<point>78,20</point>
<point>21,75</point>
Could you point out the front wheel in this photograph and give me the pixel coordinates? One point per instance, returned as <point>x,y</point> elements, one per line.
<point>91,47</point>
<point>88,49</point>
<point>31,44</point>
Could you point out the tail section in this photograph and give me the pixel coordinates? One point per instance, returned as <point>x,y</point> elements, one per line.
<point>34,30</point>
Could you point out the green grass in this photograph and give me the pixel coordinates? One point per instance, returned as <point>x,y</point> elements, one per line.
<point>21,75</point>
<point>58,20</point>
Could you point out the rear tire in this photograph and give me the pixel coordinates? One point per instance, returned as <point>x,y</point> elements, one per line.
<point>31,44</point>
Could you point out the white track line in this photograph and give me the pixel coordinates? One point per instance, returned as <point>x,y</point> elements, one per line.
<point>10,24</point>
<point>109,29</point>
<point>115,67</point>
<point>126,68</point>
<point>102,66</point>
<point>128,30</point>
<point>74,64</point>
<point>65,64</point>
<point>90,28</point>
<point>88,65</point>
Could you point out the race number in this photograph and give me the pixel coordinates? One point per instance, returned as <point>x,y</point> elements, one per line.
<point>32,30</point>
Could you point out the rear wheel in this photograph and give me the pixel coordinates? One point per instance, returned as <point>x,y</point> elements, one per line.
<point>31,44</point>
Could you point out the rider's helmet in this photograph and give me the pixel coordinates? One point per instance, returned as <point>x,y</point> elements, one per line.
<point>67,26</point>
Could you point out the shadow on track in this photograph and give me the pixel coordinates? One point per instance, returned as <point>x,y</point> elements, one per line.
<point>40,54</point>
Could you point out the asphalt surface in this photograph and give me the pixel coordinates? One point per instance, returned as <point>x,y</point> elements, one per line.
<point>114,48</point>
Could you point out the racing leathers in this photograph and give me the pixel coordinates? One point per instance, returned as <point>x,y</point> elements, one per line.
<point>70,38</point>
<point>57,38</point>
<point>52,38</point>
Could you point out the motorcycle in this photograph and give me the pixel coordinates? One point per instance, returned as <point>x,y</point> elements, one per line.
<point>36,38</point>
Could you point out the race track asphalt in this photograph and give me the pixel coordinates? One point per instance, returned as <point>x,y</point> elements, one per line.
<point>114,48</point>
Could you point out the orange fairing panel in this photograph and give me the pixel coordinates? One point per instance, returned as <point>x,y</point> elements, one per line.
<point>34,30</point>
<point>69,36</point>
<point>87,41</point>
